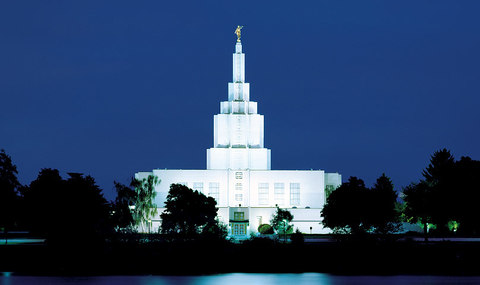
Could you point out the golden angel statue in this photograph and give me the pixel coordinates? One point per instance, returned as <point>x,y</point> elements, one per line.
<point>238,32</point>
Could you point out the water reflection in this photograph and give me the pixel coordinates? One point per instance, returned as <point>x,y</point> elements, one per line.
<point>240,278</point>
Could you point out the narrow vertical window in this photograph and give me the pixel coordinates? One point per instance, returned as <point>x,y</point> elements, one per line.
<point>263,193</point>
<point>295,194</point>
<point>279,193</point>
<point>214,190</point>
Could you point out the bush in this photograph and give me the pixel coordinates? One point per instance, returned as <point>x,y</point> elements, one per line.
<point>297,238</point>
<point>265,229</point>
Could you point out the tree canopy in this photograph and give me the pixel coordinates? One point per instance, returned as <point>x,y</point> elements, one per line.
<point>447,194</point>
<point>353,208</point>
<point>44,199</point>
<point>8,192</point>
<point>465,196</point>
<point>281,221</point>
<point>189,214</point>
<point>346,210</point>
<point>383,207</point>
<point>418,204</point>
<point>67,211</point>
<point>122,214</point>
<point>145,207</point>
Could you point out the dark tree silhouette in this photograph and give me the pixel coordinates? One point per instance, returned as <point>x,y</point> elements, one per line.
<point>297,238</point>
<point>384,215</point>
<point>8,193</point>
<point>86,212</point>
<point>448,194</point>
<point>189,214</point>
<point>122,214</point>
<point>440,168</point>
<point>419,205</point>
<point>347,208</point>
<point>445,193</point>
<point>43,201</point>
<point>465,195</point>
<point>67,212</point>
<point>439,176</point>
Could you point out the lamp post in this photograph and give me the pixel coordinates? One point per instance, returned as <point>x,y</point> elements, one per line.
<point>284,231</point>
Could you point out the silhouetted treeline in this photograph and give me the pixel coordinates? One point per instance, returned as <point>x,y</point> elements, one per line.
<point>354,208</point>
<point>71,210</point>
<point>9,198</point>
<point>75,210</point>
<point>64,211</point>
<point>444,201</point>
<point>90,235</point>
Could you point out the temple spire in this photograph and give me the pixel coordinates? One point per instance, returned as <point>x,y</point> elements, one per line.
<point>238,62</point>
<point>238,129</point>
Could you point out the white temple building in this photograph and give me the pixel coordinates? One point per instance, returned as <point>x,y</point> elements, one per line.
<point>239,174</point>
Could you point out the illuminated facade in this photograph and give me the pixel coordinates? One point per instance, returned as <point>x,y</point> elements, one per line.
<point>239,174</point>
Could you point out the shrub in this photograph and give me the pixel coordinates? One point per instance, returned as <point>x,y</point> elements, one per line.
<point>265,229</point>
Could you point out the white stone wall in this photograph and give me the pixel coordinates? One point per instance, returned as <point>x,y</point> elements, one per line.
<point>234,130</point>
<point>232,183</point>
<point>303,219</point>
<point>311,184</point>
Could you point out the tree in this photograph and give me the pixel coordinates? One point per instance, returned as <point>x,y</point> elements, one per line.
<point>439,177</point>
<point>384,215</point>
<point>145,207</point>
<point>419,205</point>
<point>353,208</point>
<point>440,167</point>
<point>280,221</point>
<point>433,200</point>
<point>466,194</point>
<point>190,214</point>
<point>44,199</point>
<point>8,193</point>
<point>347,208</point>
<point>67,212</point>
<point>85,215</point>
<point>122,216</point>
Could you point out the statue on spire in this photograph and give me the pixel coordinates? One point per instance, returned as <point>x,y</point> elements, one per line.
<point>238,32</point>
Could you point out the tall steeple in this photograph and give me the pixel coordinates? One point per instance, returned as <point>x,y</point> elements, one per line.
<point>238,129</point>
<point>238,64</point>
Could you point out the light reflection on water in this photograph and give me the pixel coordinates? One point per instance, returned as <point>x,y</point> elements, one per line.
<point>241,278</point>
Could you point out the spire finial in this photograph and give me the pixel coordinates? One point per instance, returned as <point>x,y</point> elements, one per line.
<point>238,32</point>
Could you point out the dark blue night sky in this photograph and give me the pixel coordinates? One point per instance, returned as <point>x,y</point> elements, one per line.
<point>109,88</point>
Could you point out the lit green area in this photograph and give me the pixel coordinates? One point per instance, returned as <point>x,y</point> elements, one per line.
<point>453,226</point>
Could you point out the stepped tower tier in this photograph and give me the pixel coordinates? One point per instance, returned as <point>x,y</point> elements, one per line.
<point>238,129</point>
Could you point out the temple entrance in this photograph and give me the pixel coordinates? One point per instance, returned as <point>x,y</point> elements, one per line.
<point>239,229</point>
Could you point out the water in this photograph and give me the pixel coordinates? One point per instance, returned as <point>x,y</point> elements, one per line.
<point>240,278</point>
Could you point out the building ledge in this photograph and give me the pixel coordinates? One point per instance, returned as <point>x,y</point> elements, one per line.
<point>238,221</point>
